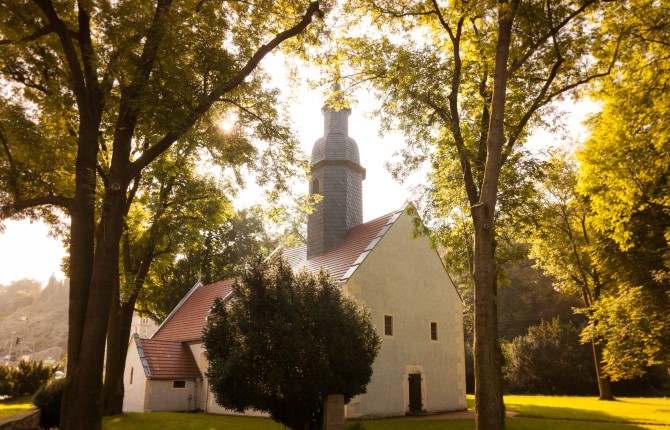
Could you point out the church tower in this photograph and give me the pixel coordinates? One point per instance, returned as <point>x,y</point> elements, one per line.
<point>338,176</point>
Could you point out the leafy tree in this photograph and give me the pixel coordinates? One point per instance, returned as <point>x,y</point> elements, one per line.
<point>633,328</point>
<point>624,169</point>
<point>217,252</point>
<point>172,205</point>
<point>562,244</point>
<point>96,92</point>
<point>286,341</point>
<point>475,77</point>
<point>549,359</point>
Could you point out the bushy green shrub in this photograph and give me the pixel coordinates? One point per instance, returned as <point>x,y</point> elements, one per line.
<point>30,376</point>
<point>48,399</point>
<point>549,359</point>
<point>6,381</point>
<point>356,425</point>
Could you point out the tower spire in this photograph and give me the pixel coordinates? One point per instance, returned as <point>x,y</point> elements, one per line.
<point>338,176</point>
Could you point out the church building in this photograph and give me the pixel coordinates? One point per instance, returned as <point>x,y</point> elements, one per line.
<point>401,279</point>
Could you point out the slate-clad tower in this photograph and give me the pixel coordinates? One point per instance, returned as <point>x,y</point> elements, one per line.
<point>338,176</point>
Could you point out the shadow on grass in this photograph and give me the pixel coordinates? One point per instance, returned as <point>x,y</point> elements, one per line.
<point>587,413</point>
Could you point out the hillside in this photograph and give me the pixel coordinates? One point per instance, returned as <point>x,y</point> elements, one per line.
<point>46,313</point>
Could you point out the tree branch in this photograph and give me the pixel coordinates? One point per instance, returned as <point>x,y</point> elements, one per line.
<point>154,151</point>
<point>517,63</point>
<point>42,31</point>
<point>468,179</point>
<point>537,103</point>
<point>60,201</point>
<point>65,37</point>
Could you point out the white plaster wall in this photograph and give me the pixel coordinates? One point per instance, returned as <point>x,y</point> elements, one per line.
<point>162,397</point>
<point>134,398</point>
<point>404,277</point>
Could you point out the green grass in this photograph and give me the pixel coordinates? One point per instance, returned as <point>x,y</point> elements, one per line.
<point>537,412</point>
<point>629,410</point>
<point>14,406</point>
<point>184,421</point>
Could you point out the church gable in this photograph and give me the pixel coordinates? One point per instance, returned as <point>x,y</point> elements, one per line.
<point>343,260</point>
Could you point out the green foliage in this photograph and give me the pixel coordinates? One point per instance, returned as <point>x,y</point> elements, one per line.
<point>634,328</point>
<point>6,381</point>
<point>30,376</point>
<point>24,380</point>
<point>550,360</point>
<point>355,425</point>
<point>625,159</point>
<point>285,341</point>
<point>624,171</point>
<point>528,298</point>
<point>562,241</point>
<point>214,252</point>
<point>48,399</point>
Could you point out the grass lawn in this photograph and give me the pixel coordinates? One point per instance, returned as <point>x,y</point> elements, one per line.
<point>14,406</point>
<point>624,409</point>
<point>554,413</point>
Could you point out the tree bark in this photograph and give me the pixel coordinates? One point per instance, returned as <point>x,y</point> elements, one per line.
<point>604,386</point>
<point>82,233</point>
<point>489,406</point>
<point>83,406</point>
<point>118,335</point>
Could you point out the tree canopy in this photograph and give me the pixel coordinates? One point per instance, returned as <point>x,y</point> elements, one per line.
<point>466,82</point>
<point>624,171</point>
<point>285,341</point>
<point>96,92</point>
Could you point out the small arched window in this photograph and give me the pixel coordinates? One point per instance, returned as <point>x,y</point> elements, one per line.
<point>131,375</point>
<point>315,186</point>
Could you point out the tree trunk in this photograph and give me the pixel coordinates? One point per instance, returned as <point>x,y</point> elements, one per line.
<point>489,407</point>
<point>82,233</point>
<point>83,406</point>
<point>604,386</point>
<point>118,335</point>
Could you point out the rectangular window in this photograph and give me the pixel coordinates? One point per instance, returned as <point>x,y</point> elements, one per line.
<point>388,325</point>
<point>433,331</point>
<point>178,384</point>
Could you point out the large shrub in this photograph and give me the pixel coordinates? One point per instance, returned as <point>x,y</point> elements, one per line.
<point>550,359</point>
<point>48,399</point>
<point>285,341</point>
<point>30,376</point>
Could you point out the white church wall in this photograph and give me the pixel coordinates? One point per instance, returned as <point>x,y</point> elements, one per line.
<point>134,381</point>
<point>404,278</point>
<point>164,396</point>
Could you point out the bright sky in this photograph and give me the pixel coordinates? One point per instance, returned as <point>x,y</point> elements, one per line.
<point>26,250</point>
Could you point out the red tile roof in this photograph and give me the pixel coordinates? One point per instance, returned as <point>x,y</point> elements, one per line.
<point>166,359</point>
<point>188,319</point>
<point>344,257</point>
